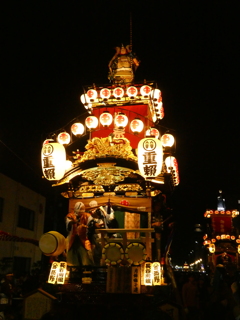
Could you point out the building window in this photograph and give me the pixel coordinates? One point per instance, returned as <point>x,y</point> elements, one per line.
<point>1,208</point>
<point>26,218</point>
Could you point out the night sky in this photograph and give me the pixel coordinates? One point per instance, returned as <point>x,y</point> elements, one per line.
<point>50,50</point>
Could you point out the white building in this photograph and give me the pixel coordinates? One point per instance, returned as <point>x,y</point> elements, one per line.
<point>22,213</point>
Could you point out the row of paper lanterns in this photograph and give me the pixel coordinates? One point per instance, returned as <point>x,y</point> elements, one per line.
<point>145,91</point>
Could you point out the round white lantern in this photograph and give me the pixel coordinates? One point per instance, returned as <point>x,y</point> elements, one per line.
<point>53,161</point>
<point>105,93</point>
<point>64,138</point>
<point>132,91</point>
<point>155,94</point>
<point>92,94</point>
<point>91,122</point>
<point>118,92</point>
<point>121,120</point>
<point>145,90</point>
<point>136,125</point>
<point>106,119</point>
<point>167,140</point>
<point>152,132</point>
<point>77,128</point>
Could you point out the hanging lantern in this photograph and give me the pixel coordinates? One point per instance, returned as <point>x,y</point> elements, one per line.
<point>62,271</point>
<point>53,161</point>
<point>150,155</point>
<point>145,90</point>
<point>218,237</point>
<point>132,91</point>
<point>172,167</point>
<point>52,278</point>
<point>91,122</point>
<point>211,248</point>
<point>161,113</point>
<point>92,94</point>
<point>156,94</point>
<point>77,129</point>
<point>84,99</point>
<point>105,93</point>
<point>64,138</point>
<point>118,92</point>
<point>106,119</point>
<point>152,132</point>
<point>136,125</point>
<point>167,140</point>
<point>232,237</point>
<point>147,274</point>
<point>121,120</point>
<point>156,273</point>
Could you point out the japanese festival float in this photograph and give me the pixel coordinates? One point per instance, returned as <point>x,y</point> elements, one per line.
<point>126,168</point>
<point>222,239</point>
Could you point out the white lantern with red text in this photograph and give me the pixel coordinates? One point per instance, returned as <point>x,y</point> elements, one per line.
<point>92,95</point>
<point>167,140</point>
<point>77,128</point>
<point>53,161</point>
<point>172,167</point>
<point>91,122</point>
<point>150,155</point>
<point>64,138</point>
<point>121,120</point>
<point>106,119</point>
<point>132,91</point>
<point>105,93</point>
<point>152,132</point>
<point>118,92</point>
<point>145,90</point>
<point>136,125</point>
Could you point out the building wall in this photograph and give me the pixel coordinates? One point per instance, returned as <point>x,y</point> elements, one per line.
<point>15,195</point>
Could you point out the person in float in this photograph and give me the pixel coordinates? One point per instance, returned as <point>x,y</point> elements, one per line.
<point>80,226</point>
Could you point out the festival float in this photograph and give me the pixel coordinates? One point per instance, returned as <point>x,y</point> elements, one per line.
<point>222,239</point>
<point>126,167</point>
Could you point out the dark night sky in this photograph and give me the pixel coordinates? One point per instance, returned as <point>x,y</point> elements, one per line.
<point>50,50</point>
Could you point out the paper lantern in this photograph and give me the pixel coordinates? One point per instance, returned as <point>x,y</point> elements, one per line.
<point>155,94</point>
<point>132,91</point>
<point>52,278</point>
<point>53,161</point>
<point>147,274</point>
<point>77,129</point>
<point>150,155</point>
<point>121,120</point>
<point>152,132</point>
<point>156,274</point>
<point>106,118</point>
<point>64,138</point>
<point>238,249</point>
<point>105,93</point>
<point>91,122</point>
<point>118,92</point>
<point>92,94</point>
<point>167,140</point>
<point>145,90</point>
<point>84,99</point>
<point>136,125</point>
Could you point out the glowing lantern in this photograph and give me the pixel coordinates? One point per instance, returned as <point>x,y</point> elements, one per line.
<point>211,248</point>
<point>213,240</point>
<point>77,129</point>
<point>91,122</point>
<point>64,138</point>
<point>167,140</point>
<point>105,93</point>
<point>118,92</point>
<point>132,91</point>
<point>161,113</point>
<point>53,272</point>
<point>106,118</point>
<point>153,132</point>
<point>238,240</point>
<point>171,164</point>
<point>238,249</point>
<point>145,90</point>
<point>147,274</point>
<point>53,161</point>
<point>232,237</point>
<point>150,155</point>
<point>136,125</point>
<point>84,99</point>
<point>156,274</point>
<point>62,270</point>
<point>218,237</point>
<point>121,120</point>
<point>92,94</point>
<point>155,94</point>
